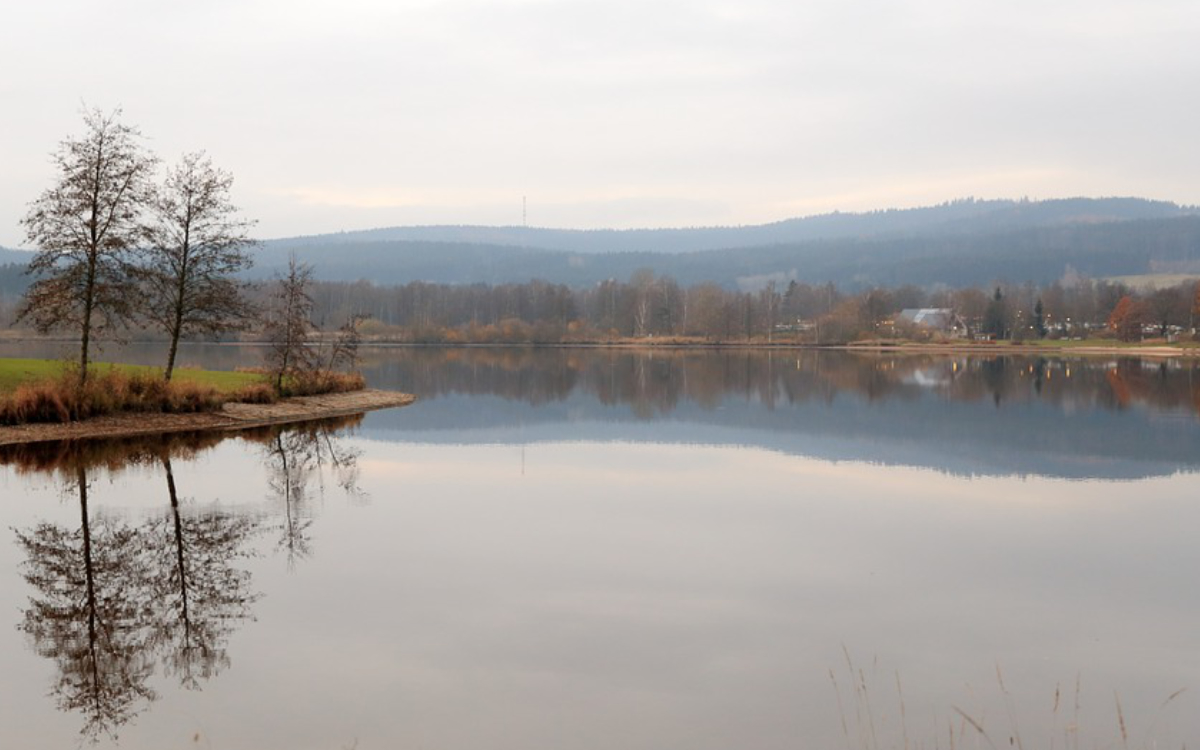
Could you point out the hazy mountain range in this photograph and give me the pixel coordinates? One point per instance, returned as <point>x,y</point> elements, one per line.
<point>965,242</point>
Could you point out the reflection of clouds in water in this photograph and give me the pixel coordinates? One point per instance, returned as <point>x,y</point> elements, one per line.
<point>632,589</point>
<point>721,581</point>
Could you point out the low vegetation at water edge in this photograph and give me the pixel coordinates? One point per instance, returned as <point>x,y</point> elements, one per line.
<point>40,391</point>
<point>33,390</point>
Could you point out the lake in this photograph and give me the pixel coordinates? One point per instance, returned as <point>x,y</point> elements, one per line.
<point>576,548</point>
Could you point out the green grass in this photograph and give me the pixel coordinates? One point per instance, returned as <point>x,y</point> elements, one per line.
<point>14,372</point>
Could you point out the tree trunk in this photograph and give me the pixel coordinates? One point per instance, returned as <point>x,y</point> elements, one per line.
<point>176,332</point>
<point>180,294</point>
<point>86,333</point>
<point>171,355</point>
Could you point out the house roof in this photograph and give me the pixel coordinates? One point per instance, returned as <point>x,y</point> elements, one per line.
<point>933,317</point>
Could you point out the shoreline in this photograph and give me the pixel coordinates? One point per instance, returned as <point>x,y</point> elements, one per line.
<point>1152,350</point>
<point>956,347</point>
<point>233,417</point>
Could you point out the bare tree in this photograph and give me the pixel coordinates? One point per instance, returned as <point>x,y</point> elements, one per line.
<point>289,323</point>
<point>343,348</point>
<point>198,246</point>
<point>85,227</point>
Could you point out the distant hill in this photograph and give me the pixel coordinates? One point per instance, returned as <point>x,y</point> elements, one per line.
<point>961,243</point>
<point>14,256</point>
<point>12,273</point>
<point>967,216</point>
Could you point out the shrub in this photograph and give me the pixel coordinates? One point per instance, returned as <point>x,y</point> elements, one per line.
<point>317,382</point>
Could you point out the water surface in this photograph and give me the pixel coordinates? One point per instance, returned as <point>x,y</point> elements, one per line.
<point>569,549</point>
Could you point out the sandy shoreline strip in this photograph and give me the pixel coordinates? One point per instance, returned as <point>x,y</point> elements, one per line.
<point>231,418</point>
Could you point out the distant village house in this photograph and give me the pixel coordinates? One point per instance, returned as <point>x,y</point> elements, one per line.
<point>937,319</point>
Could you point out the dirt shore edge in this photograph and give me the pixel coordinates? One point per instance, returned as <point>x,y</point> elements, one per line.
<point>231,418</point>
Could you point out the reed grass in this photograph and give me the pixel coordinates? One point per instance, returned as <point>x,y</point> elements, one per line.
<point>864,728</point>
<point>65,398</point>
<point>41,391</point>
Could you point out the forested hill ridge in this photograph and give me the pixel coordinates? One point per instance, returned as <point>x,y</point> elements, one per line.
<point>958,244</point>
<point>13,256</point>
<point>962,243</point>
<point>13,278</point>
<point>966,216</point>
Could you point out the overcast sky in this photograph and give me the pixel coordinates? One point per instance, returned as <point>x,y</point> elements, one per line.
<point>614,113</point>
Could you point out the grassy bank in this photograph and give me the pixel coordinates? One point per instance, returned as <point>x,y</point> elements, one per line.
<point>16,372</point>
<point>49,391</point>
<point>35,390</point>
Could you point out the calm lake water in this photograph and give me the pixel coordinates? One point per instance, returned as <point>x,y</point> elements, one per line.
<point>605,549</point>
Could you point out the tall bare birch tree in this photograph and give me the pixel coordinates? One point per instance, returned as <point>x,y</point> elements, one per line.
<point>85,228</point>
<point>289,323</point>
<point>198,246</point>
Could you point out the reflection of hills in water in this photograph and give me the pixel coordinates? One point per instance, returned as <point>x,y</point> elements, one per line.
<point>1075,418</point>
<point>115,600</point>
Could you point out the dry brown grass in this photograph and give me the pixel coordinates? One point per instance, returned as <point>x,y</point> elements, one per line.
<point>66,399</point>
<point>259,393</point>
<point>318,382</point>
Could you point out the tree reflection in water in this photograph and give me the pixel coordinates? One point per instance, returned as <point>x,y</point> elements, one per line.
<point>90,614</point>
<point>655,382</point>
<point>297,461</point>
<point>201,597</point>
<point>113,600</point>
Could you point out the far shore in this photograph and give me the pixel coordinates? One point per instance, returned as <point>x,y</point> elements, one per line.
<point>233,417</point>
<point>1089,347</point>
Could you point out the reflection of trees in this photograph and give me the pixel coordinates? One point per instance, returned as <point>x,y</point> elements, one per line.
<point>201,598</point>
<point>291,469</point>
<point>656,381</point>
<point>114,600</point>
<point>298,459</point>
<point>90,615</point>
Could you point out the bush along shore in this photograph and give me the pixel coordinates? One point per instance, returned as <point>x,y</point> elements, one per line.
<point>37,391</point>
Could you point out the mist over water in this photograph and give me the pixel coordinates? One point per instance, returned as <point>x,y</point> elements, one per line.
<point>571,548</point>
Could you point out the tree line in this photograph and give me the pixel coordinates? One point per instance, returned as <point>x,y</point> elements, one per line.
<point>649,306</point>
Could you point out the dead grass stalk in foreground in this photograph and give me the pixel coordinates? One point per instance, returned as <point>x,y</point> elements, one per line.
<point>864,729</point>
